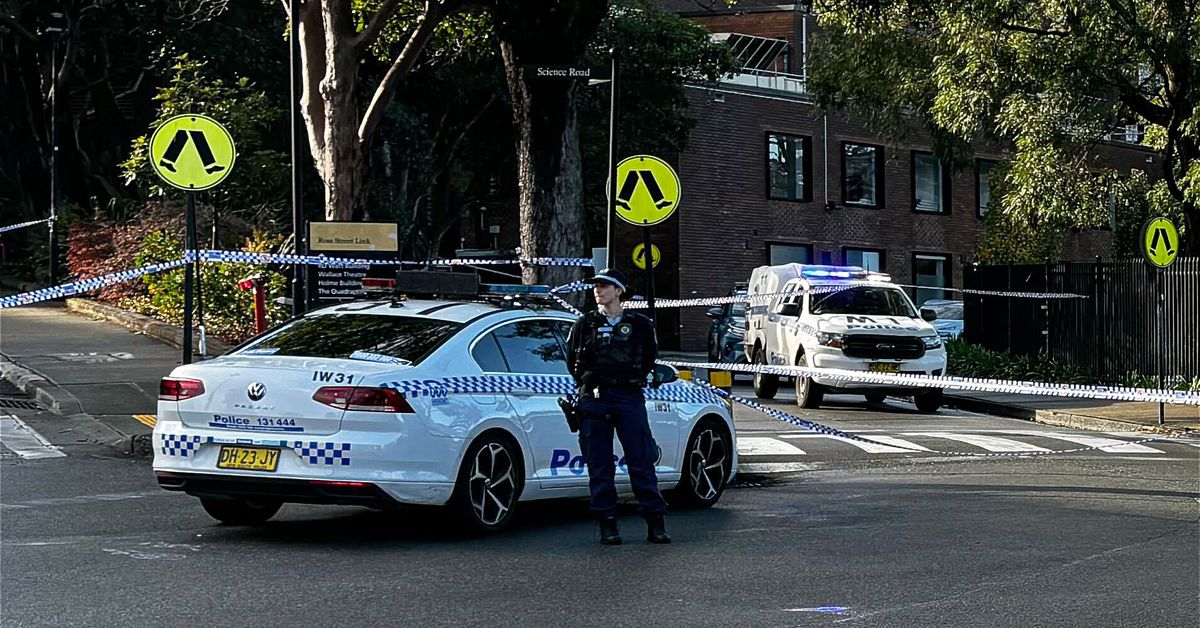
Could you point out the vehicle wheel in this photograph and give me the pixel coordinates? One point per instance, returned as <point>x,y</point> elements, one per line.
<point>707,465</point>
<point>928,402</point>
<point>875,397</point>
<point>489,484</point>
<point>240,512</point>
<point>765,386</point>
<point>808,392</point>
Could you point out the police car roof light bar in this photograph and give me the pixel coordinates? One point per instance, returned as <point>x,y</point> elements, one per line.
<point>833,272</point>
<point>503,288</point>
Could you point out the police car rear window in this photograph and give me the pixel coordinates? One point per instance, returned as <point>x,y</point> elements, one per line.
<point>339,335</point>
<point>863,300</point>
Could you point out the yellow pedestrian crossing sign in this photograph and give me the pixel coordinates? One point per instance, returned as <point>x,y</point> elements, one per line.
<point>648,190</point>
<point>639,256</point>
<point>1160,242</point>
<point>192,152</point>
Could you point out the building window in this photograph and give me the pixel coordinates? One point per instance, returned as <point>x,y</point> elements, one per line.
<point>931,272</point>
<point>867,259</point>
<point>862,175</point>
<point>789,167</point>
<point>788,253</point>
<point>983,192</point>
<point>929,184</point>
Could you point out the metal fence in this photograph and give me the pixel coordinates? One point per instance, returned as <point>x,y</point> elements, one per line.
<point>1110,334</point>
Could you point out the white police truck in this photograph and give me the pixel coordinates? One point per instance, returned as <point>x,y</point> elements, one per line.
<point>449,400</point>
<point>840,317</point>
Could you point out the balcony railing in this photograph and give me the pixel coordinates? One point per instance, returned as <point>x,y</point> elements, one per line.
<point>766,79</point>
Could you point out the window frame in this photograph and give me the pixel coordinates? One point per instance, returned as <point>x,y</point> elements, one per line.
<point>882,255</point>
<point>490,331</point>
<point>981,210</point>
<point>880,159</point>
<point>770,243</point>
<point>948,270</point>
<point>944,202</point>
<point>805,167</point>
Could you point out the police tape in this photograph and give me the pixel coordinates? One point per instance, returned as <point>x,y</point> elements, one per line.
<point>245,257</point>
<point>22,225</point>
<point>787,417</point>
<point>440,388</point>
<point>88,285</point>
<point>1112,393</point>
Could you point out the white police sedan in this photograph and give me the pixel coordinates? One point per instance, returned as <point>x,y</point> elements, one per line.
<point>378,403</point>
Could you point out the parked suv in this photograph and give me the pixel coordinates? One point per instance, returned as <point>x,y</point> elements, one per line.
<point>728,329</point>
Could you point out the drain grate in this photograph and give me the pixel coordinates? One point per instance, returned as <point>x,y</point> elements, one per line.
<point>21,404</point>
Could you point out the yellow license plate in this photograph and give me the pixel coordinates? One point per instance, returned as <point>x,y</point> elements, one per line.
<point>884,367</point>
<point>248,458</point>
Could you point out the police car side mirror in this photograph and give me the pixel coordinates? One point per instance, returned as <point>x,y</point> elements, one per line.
<point>714,312</point>
<point>665,374</point>
<point>929,314</point>
<point>789,309</point>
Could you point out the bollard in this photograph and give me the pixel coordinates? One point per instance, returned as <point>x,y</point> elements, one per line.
<point>718,379</point>
<point>258,284</point>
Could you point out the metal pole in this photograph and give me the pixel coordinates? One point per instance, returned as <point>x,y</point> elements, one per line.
<point>1161,351</point>
<point>648,256</point>
<point>188,274</point>
<point>53,243</point>
<point>612,162</point>
<point>299,283</point>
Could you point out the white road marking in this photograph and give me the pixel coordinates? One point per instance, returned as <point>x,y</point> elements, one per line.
<point>990,443</point>
<point>1109,444</point>
<point>750,446</point>
<point>25,442</point>
<point>870,448</point>
<point>898,442</point>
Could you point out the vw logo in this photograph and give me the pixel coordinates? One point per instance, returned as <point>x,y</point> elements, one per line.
<point>256,391</point>
<point>884,345</point>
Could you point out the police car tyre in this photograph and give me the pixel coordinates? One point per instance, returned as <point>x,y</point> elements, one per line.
<point>928,402</point>
<point>765,386</point>
<point>707,465</point>
<point>240,512</point>
<point>809,394</point>
<point>875,397</point>
<point>489,484</point>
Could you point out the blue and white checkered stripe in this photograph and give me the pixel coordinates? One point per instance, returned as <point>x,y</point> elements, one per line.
<point>87,285</point>
<point>22,225</point>
<point>182,445</point>
<point>244,257</point>
<point>680,392</point>
<point>315,452</point>
<point>574,286</point>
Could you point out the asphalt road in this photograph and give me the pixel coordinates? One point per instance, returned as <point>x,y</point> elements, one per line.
<point>875,539</point>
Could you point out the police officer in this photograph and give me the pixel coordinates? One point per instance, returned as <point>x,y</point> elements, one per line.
<point>611,355</point>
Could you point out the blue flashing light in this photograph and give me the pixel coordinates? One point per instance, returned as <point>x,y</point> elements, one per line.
<point>834,272</point>
<point>503,288</point>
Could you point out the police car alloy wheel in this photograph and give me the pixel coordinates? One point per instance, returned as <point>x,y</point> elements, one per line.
<point>240,512</point>
<point>489,484</point>
<point>765,386</point>
<point>808,393</point>
<point>708,461</point>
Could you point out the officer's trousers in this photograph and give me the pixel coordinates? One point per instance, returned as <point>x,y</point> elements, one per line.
<point>627,409</point>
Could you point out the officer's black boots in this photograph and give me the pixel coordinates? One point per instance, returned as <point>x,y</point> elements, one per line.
<point>610,532</point>
<point>656,528</point>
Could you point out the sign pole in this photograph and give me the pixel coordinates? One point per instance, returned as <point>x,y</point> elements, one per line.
<point>612,162</point>
<point>188,274</point>
<point>648,252</point>
<point>300,294</point>
<point>1158,281</point>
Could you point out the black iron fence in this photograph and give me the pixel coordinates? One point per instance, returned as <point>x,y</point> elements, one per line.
<point>1112,333</point>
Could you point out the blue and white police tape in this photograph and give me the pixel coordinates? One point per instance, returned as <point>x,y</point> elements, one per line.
<point>22,225</point>
<point>244,257</point>
<point>836,433</point>
<point>680,392</point>
<point>1113,393</point>
<point>574,286</point>
<point>566,306</point>
<point>87,285</point>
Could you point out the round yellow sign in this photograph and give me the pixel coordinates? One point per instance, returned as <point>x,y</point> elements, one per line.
<point>192,152</point>
<point>639,256</point>
<point>1160,242</point>
<point>648,190</point>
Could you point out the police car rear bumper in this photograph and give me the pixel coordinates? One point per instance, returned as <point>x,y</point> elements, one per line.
<point>933,363</point>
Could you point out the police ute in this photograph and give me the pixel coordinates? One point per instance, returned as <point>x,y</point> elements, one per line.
<point>445,395</point>
<point>840,317</point>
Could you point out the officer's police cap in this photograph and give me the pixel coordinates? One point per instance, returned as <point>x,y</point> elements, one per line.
<point>609,275</point>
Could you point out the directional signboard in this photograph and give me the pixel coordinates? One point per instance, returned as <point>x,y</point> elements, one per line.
<point>192,152</point>
<point>648,190</point>
<point>639,256</point>
<point>1160,242</point>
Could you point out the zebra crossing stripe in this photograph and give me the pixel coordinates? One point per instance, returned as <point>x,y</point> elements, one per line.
<point>757,446</point>
<point>990,443</point>
<point>1106,444</point>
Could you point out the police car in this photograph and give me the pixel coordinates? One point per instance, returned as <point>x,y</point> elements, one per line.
<point>412,401</point>
<point>850,319</point>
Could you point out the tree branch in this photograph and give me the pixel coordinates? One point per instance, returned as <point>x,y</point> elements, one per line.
<point>1033,31</point>
<point>16,26</point>
<point>367,36</point>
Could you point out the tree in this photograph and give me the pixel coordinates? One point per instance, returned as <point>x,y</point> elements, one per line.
<point>1047,81</point>
<point>335,38</point>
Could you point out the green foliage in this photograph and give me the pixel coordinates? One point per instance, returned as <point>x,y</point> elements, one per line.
<point>228,310</point>
<point>968,360</point>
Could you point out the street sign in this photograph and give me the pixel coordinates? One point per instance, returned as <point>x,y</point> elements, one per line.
<point>639,256</point>
<point>1160,242</point>
<point>535,71</point>
<point>648,190</point>
<point>192,152</point>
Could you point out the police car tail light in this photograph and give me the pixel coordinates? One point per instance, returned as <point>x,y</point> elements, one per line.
<point>179,388</point>
<point>363,399</point>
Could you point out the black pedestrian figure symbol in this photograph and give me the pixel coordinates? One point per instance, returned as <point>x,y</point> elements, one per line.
<point>1161,232</point>
<point>630,185</point>
<point>179,142</point>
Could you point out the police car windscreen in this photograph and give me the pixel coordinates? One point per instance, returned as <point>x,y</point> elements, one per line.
<point>863,300</point>
<point>339,335</point>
